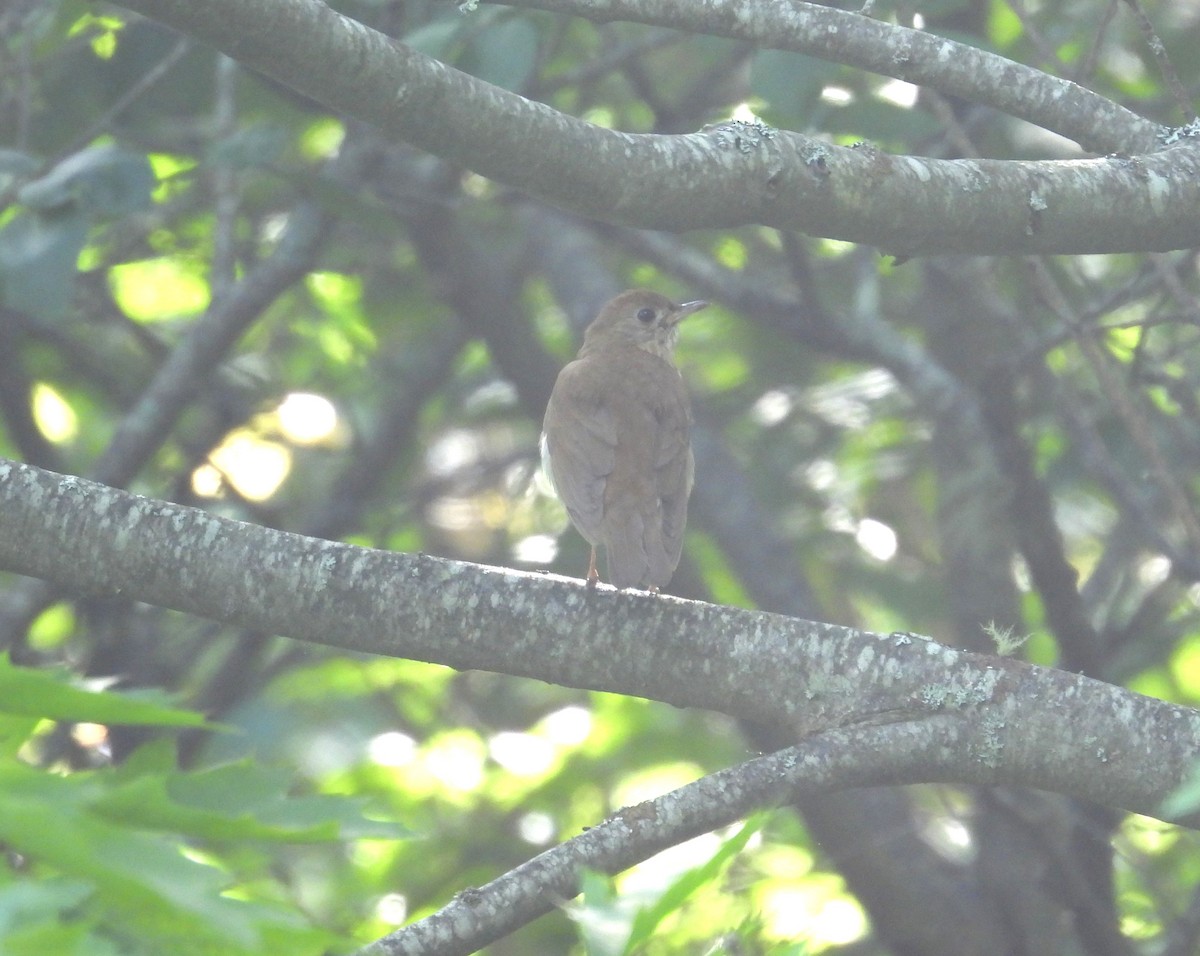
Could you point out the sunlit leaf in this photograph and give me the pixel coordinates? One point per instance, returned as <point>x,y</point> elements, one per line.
<point>676,895</point>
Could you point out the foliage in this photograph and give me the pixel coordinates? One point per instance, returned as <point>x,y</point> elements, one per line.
<point>143,857</point>
<point>389,393</point>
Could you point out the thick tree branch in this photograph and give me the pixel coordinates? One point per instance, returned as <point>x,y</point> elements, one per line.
<point>716,178</point>
<point>1098,124</point>
<point>992,720</point>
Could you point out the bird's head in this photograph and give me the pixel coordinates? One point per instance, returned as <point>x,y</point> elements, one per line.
<point>640,318</point>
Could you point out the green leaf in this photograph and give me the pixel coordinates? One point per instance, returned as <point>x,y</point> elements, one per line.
<point>34,903</point>
<point>150,803</point>
<point>239,802</point>
<point>649,918</point>
<point>99,182</point>
<point>116,876</point>
<point>14,732</point>
<point>36,693</point>
<point>39,250</point>
<point>57,937</point>
<point>38,254</point>
<point>44,817</point>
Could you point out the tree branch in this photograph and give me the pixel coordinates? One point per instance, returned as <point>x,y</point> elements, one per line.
<point>828,761</point>
<point>992,720</point>
<point>956,69</point>
<point>716,178</point>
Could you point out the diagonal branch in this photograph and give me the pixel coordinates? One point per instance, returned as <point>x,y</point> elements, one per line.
<point>830,761</point>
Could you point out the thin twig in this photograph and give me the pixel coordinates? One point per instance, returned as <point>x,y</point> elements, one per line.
<point>1170,77</point>
<point>224,178</point>
<point>130,96</point>
<point>1088,65</point>
<point>1043,46</point>
<point>1138,428</point>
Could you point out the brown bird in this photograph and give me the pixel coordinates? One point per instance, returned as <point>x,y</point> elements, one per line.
<point>615,440</point>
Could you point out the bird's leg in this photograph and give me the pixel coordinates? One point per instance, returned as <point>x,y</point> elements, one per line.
<point>593,575</point>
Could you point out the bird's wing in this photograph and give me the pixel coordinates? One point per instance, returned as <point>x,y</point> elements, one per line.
<point>580,440</point>
<point>674,469</point>
<point>643,529</point>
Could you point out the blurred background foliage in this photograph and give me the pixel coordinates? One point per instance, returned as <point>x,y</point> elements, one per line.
<point>212,291</point>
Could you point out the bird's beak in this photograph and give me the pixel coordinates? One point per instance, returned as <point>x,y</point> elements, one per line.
<point>681,312</point>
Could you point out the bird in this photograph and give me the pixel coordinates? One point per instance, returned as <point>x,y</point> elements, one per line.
<point>615,440</point>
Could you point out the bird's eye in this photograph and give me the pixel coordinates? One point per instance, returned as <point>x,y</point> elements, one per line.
<point>645,315</point>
